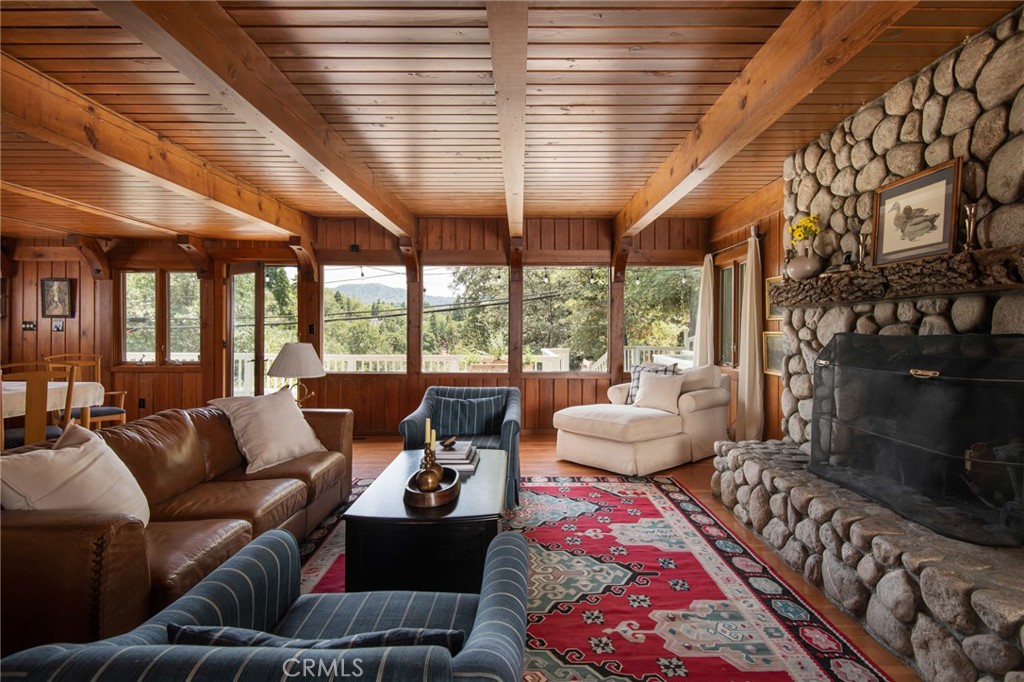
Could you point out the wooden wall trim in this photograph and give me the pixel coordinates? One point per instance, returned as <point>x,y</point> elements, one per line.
<point>760,204</point>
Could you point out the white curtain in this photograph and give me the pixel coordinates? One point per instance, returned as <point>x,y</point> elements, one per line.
<point>750,395</point>
<point>704,336</point>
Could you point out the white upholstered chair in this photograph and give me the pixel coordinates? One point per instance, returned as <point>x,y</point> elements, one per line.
<point>637,441</point>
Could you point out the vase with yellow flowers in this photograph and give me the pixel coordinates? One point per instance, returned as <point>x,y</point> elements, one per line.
<point>805,264</point>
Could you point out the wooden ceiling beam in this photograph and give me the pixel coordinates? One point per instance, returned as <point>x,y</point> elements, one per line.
<point>203,42</point>
<point>196,251</point>
<point>93,255</point>
<point>306,258</point>
<point>507,24</point>
<point>36,104</point>
<point>815,41</point>
<point>40,195</point>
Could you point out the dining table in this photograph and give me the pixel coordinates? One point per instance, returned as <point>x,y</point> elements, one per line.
<point>85,394</point>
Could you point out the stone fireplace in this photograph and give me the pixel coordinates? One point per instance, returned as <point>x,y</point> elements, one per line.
<point>951,608</point>
<point>919,424</point>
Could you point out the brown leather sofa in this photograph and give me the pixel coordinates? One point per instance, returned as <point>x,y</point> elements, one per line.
<point>77,577</point>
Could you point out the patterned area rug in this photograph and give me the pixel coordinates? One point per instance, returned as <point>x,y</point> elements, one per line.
<point>631,579</point>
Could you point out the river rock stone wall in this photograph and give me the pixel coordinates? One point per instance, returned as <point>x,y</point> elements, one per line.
<point>969,104</point>
<point>952,610</point>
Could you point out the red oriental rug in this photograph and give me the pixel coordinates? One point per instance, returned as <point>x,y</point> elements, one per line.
<point>632,579</point>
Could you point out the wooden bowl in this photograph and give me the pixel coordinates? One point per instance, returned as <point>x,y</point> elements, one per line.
<point>446,493</point>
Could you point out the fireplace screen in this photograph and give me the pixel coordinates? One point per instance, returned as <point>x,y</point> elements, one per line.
<point>929,426</point>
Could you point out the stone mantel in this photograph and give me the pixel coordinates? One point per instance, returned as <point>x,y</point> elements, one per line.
<point>961,273</point>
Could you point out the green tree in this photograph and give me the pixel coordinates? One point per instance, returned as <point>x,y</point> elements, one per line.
<point>483,328</point>
<point>659,305</point>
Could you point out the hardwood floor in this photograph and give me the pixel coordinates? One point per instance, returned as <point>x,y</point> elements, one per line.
<point>537,454</point>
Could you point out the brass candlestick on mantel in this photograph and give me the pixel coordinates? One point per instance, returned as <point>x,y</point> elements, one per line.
<point>972,211</point>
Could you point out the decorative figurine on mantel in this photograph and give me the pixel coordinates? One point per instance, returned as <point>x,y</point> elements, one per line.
<point>806,264</point>
<point>972,212</point>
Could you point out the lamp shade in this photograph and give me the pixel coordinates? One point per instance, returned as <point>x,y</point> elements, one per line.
<point>297,361</point>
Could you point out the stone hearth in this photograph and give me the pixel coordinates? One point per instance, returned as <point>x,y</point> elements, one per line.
<point>952,610</point>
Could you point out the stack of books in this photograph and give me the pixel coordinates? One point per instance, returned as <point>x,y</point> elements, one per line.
<point>462,457</point>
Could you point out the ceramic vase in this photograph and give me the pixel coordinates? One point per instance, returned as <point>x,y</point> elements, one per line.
<point>806,264</point>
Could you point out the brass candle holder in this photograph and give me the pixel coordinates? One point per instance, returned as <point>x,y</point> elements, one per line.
<point>432,485</point>
<point>428,478</point>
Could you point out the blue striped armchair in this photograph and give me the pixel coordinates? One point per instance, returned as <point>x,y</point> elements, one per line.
<point>499,434</point>
<point>258,589</point>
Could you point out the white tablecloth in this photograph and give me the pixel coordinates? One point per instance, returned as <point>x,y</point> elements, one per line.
<point>87,394</point>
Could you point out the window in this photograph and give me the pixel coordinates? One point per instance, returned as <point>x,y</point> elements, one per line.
<point>660,312</point>
<point>365,318</point>
<point>729,302</point>
<point>183,330</point>
<point>565,319</point>
<point>160,317</point>
<point>139,329</point>
<point>465,319</point>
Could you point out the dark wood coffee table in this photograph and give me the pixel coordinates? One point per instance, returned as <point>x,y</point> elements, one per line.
<point>389,545</point>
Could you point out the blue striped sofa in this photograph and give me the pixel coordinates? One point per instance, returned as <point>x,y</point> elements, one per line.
<point>258,589</point>
<point>507,439</point>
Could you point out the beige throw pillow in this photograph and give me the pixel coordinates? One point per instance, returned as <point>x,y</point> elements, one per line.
<point>80,473</point>
<point>659,391</point>
<point>270,429</point>
<point>695,378</point>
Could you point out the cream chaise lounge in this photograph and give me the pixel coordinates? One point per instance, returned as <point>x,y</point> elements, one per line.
<point>637,441</point>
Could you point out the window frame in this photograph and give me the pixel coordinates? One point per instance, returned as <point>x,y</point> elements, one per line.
<point>607,324</point>
<point>734,258</point>
<point>162,319</point>
<point>322,323</point>
<point>508,318</point>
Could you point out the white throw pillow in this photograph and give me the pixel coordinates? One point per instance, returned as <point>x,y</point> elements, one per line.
<point>80,473</point>
<point>695,378</point>
<point>659,391</point>
<point>270,429</point>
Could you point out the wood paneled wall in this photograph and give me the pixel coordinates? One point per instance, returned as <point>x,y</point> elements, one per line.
<point>89,331</point>
<point>93,328</point>
<point>732,227</point>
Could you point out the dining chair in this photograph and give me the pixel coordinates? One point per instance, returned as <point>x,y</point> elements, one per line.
<point>37,377</point>
<point>88,365</point>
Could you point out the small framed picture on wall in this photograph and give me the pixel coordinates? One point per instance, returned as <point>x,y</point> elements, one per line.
<point>55,297</point>
<point>916,217</point>
<point>774,353</point>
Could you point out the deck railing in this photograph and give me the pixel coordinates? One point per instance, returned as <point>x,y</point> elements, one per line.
<point>243,366</point>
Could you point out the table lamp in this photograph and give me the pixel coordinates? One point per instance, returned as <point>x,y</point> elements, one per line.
<point>297,361</point>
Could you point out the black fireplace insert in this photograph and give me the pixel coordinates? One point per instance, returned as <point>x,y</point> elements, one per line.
<point>930,426</point>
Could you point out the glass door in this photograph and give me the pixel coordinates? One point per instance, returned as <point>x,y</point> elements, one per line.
<point>244,330</point>
<point>264,316</point>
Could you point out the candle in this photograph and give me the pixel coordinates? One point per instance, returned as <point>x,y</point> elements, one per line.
<point>426,434</point>
<point>433,437</point>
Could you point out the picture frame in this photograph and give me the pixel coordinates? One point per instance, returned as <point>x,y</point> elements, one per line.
<point>916,217</point>
<point>56,297</point>
<point>774,353</point>
<point>772,311</point>
<point>57,324</point>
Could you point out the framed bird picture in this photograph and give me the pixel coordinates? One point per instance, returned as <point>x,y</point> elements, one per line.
<point>916,217</point>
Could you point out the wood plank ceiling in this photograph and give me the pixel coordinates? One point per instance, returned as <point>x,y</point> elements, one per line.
<point>611,90</point>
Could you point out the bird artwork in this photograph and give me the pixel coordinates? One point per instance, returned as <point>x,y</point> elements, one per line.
<point>913,223</point>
